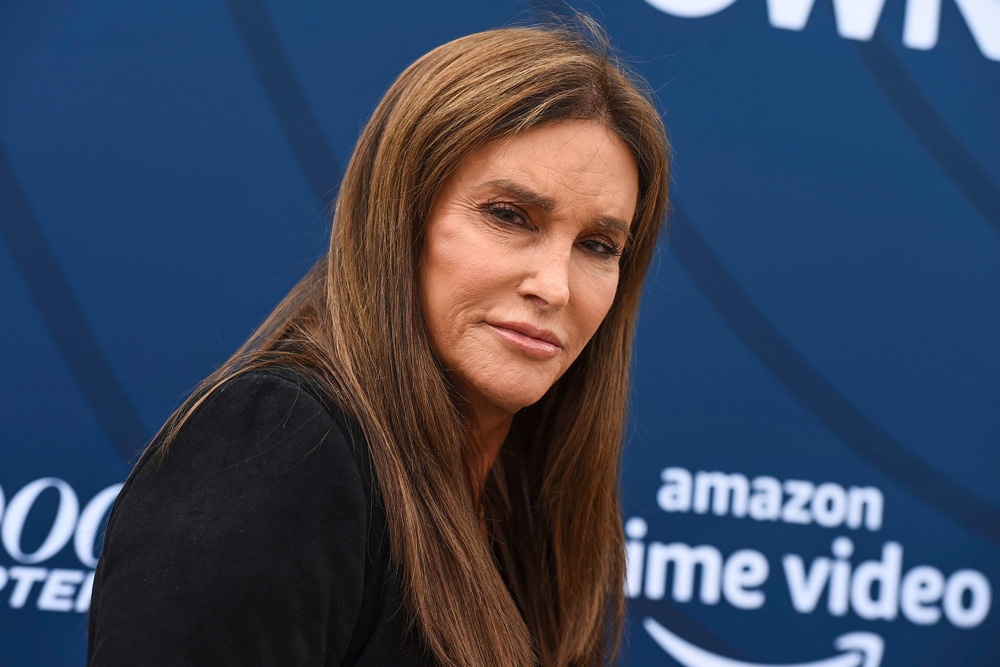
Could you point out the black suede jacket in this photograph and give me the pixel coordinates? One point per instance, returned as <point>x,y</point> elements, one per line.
<point>260,540</point>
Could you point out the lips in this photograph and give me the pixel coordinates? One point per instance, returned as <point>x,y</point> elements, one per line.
<point>533,341</point>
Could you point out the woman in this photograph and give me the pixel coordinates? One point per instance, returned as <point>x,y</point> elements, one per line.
<point>414,460</point>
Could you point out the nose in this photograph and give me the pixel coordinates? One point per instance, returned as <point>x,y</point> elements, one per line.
<point>546,281</point>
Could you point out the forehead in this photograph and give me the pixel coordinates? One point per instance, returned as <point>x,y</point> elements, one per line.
<point>571,162</point>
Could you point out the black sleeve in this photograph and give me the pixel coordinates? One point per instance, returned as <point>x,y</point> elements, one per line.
<point>246,547</point>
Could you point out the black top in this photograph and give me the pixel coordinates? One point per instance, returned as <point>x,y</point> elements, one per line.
<point>259,541</point>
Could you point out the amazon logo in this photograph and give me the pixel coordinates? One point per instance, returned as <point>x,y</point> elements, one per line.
<point>854,649</point>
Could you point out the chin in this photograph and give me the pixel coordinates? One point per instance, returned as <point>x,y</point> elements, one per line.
<point>518,400</point>
<point>516,393</point>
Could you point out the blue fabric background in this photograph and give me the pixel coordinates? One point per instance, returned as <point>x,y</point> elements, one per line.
<point>825,306</point>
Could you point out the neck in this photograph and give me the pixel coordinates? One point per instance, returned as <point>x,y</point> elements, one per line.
<point>488,428</point>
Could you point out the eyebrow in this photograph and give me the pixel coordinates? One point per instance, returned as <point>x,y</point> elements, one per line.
<point>547,204</point>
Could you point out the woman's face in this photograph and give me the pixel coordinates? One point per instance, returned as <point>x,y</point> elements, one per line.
<point>521,256</point>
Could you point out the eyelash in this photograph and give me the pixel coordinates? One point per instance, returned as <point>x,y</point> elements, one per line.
<point>496,209</point>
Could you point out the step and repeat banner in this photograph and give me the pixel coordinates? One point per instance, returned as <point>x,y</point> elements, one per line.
<point>811,475</point>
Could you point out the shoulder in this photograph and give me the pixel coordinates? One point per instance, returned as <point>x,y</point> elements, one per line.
<point>262,418</point>
<point>251,531</point>
<point>261,437</point>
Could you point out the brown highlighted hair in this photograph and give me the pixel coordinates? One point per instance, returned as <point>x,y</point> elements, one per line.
<point>355,323</point>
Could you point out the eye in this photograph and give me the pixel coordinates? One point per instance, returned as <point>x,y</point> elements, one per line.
<point>602,246</point>
<point>507,213</point>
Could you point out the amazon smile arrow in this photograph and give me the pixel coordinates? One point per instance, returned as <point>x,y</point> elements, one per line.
<point>859,649</point>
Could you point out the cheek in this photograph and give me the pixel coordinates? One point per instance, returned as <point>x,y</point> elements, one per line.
<point>600,289</point>
<point>438,282</point>
<point>457,283</point>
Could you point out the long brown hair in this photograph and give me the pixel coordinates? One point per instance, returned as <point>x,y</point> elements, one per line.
<point>354,323</point>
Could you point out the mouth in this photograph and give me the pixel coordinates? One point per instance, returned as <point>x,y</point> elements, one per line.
<point>534,342</point>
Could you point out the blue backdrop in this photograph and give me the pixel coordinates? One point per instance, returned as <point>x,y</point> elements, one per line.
<point>811,475</point>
